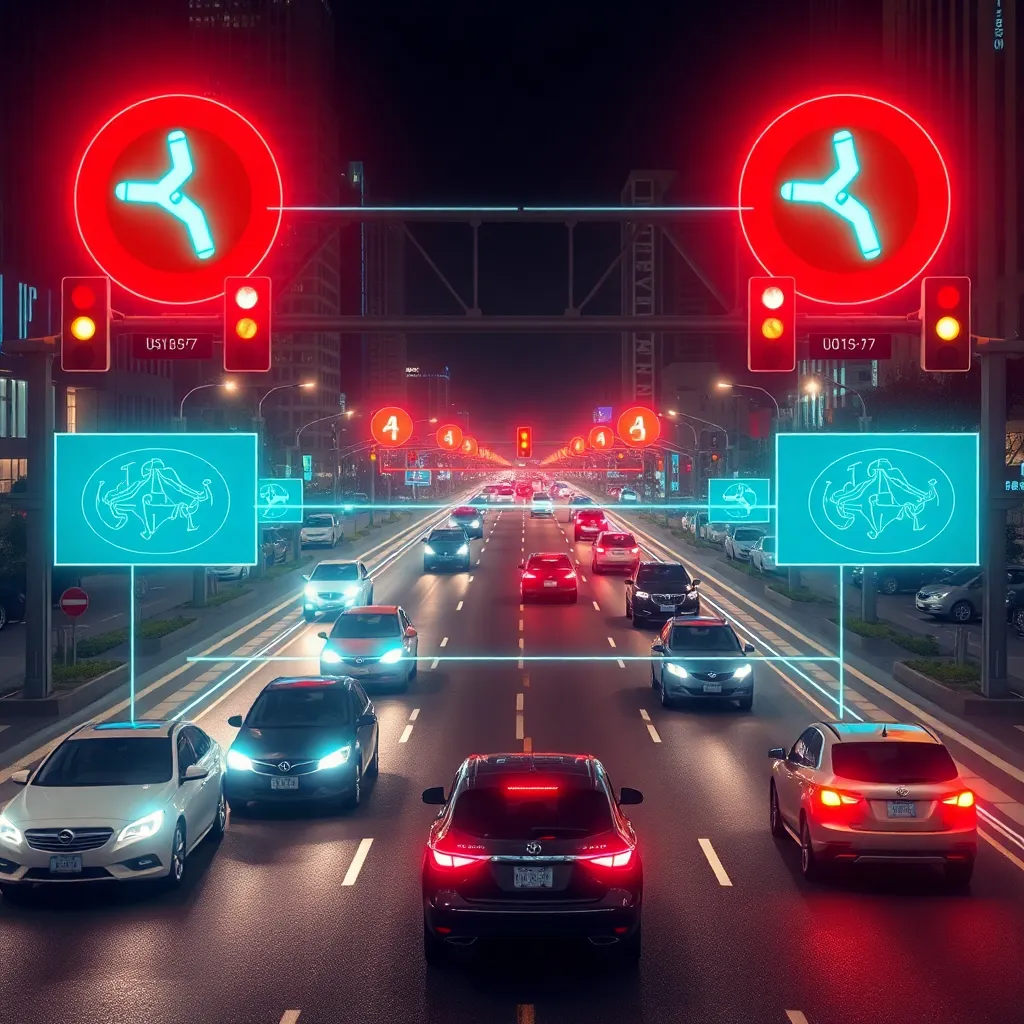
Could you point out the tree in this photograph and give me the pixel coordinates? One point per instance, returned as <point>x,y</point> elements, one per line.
<point>927,402</point>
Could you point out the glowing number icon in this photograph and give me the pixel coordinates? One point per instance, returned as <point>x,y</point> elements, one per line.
<point>449,437</point>
<point>391,427</point>
<point>831,193</point>
<point>639,427</point>
<point>469,446</point>
<point>166,193</point>
<point>601,438</point>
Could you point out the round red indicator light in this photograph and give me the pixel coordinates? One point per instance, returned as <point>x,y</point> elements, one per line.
<point>947,297</point>
<point>82,296</point>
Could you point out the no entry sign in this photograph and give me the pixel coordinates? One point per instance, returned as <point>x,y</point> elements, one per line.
<point>74,602</point>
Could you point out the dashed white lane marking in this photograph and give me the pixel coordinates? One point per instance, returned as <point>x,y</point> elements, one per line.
<point>527,745</point>
<point>522,607</point>
<point>470,579</point>
<point>644,715</point>
<point>458,607</point>
<point>519,702</point>
<point>584,578</point>
<point>520,625</point>
<point>357,862</point>
<point>444,642</point>
<point>795,1017</point>
<point>414,714</point>
<point>435,663</point>
<point>520,643</point>
<point>520,728</point>
<point>654,733</point>
<point>621,663</point>
<point>597,607</point>
<point>406,733</point>
<point>290,1016</point>
<point>716,864</point>
<point>1021,727</point>
<point>526,681</point>
<point>611,642</point>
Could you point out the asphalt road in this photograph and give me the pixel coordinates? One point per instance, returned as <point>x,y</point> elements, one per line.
<point>320,914</point>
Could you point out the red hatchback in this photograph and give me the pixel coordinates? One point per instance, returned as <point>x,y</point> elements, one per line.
<point>589,522</point>
<point>548,575</point>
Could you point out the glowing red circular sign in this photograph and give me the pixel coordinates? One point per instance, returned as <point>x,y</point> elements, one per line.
<point>639,427</point>
<point>391,426</point>
<point>469,446</point>
<point>601,438</point>
<point>848,194</point>
<point>174,194</point>
<point>577,446</point>
<point>449,437</point>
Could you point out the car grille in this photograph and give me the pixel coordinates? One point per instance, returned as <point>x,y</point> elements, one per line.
<point>360,661</point>
<point>82,839</point>
<point>85,875</point>
<point>330,595</point>
<point>713,677</point>
<point>296,767</point>
<point>669,598</point>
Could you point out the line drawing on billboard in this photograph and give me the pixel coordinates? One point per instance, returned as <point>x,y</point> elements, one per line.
<point>739,501</point>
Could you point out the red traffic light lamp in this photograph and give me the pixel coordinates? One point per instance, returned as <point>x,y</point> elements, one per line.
<point>85,324</point>
<point>247,346</point>
<point>946,324</point>
<point>524,442</point>
<point>771,324</point>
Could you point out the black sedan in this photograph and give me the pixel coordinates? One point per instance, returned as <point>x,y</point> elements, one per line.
<point>531,846</point>
<point>447,549</point>
<point>657,591</point>
<point>305,738</point>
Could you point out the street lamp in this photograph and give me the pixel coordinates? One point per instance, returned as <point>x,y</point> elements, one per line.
<point>724,385</point>
<point>307,384</point>
<point>813,387</point>
<point>227,385</point>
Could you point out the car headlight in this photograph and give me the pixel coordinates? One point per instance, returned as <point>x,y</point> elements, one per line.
<point>9,832</point>
<point>677,670</point>
<point>939,595</point>
<point>335,759</point>
<point>352,590</point>
<point>237,761</point>
<point>143,828</point>
<point>464,550</point>
<point>642,594</point>
<point>475,524</point>
<point>428,550</point>
<point>392,656</point>
<point>743,671</point>
<point>310,592</point>
<point>331,656</point>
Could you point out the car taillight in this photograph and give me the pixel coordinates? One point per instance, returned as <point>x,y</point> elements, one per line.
<point>964,799</point>
<point>453,860</point>
<point>570,575</point>
<point>529,575</point>
<point>622,859</point>
<point>836,798</point>
<point>634,551</point>
<point>599,550</point>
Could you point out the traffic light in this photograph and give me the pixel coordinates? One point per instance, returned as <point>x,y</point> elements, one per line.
<point>946,324</point>
<point>688,466</point>
<point>85,324</point>
<point>412,460</point>
<point>771,325</point>
<point>524,442</point>
<point>247,324</point>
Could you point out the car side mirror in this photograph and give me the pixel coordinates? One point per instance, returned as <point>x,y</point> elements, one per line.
<point>194,773</point>
<point>364,720</point>
<point>21,778</point>
<point>236,721</point>
<point>411,633</point>
<point>777,753</point>
<point>658,648</point>
<point>522,565</point>
<point>434,795</point>
<point>749,649</point>
<point>630,796</point>
<point>696,583</point>
<point>322,635</point>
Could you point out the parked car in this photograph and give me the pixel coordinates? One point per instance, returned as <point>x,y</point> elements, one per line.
<point>958,596</point>
<point>12,603</point>
<point>740,540</point>
<point>321,528</point>
<point>762,555</point>
<point>900,579</point>
<point>715,533</point>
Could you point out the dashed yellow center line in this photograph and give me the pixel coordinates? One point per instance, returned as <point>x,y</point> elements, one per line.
<point>527,745</point>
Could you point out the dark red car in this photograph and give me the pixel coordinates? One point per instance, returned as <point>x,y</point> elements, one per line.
<point>589,522</point>
<point>548,575</point>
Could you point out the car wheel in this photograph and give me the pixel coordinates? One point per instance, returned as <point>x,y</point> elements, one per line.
<point>433,948</point>
<point>176,871</point>
<point>238,808</point>
<point>890,585</point>
<point>309,616</point>
<point>666,700</point>
<point>774,814</point>
<point>3,616</point>
<point>373,768</point>
<point>594,569</point>
<point>355,798</point>
<point>746,703</point>
<point>629,611</point>
<point>958,876</point>
<point>962,611</point>
<point>220,817</point>
<point>809,866</point>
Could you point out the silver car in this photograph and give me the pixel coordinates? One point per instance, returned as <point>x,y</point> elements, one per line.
<point>334,586</point>
<point>740,540</point>
<point>958,595</point>
<point>762,555</point>
<point>375,643</point>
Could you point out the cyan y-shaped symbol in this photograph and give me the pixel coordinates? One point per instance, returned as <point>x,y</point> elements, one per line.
<point>832,194</point>
<point>166,193</point>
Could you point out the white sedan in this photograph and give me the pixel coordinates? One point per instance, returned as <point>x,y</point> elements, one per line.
<point>115,801</point>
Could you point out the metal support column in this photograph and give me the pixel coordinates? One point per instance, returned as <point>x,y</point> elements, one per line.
<point>993,524</point>
<point>39,525</point>
<point>261,461</point>
<point>868,604</point>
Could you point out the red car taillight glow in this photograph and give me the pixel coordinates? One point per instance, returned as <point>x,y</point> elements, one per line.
<point>570,575</point>
<point>836,798</point>
<point>600,551</point>
<point>529,575</point>
<point>622,859</point>
<point>634,551</point>
<point>964,799</point>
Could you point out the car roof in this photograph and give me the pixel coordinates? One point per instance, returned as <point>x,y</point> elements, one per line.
<point>549,554</point>
<point>582,767</point>
<point>464,510</point>
<point>591,512</point>
<point>699,620</point>
<point>307,682</point>
<point>335,561</point>
<point>372,609</point>
<point>121,730</point>
<point>652,561</point>
<point>880,732</point>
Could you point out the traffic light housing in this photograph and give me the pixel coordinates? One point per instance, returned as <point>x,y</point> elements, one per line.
<point>771,324</point>
<point>946,324</point>
<point>247,324</point>
<point>85,324</point>
<point>412,460</point>
<point>524,442</point>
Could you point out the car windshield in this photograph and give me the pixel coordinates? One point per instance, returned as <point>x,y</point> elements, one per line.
<point>365,625</point>
<point>542,497</point>
<point>587,516</point>
<point>674,574</point>
<point>505,490</point>
<point>960,578</point>
<point>522,807</point>
<point>464,513</point>
<point>335,573</point>
<point>111,761</point>
<point>447,536</point>
<point>704,638</point>
<point>893,762</point>
<point>319,521</point>
<point>291,708</point>
<point>620,540</point>
<point>746,534</point>
<point>549,562</point>
<point>581,499</point>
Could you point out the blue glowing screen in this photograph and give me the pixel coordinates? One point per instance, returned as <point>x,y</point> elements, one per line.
<point>739,501</point>
<point>280,501</point>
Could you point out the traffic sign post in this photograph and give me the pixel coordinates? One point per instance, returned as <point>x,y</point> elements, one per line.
<point>74,602</point>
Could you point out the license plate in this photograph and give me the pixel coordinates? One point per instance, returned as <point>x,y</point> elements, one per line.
<point>551,583</point>
<point>667,607</point>
<point>533,878</point>
<point>66,864</point>
<point>901,808</point>
<point>617,551</point>
<point>284,783</point>
<point>712,687</point>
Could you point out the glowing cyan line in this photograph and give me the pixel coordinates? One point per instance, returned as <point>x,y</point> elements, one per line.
<point>831,193</point>
<point>519,657</point>
<point>509,209</point>
<point>409,506</point>
<point>166,193</point>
